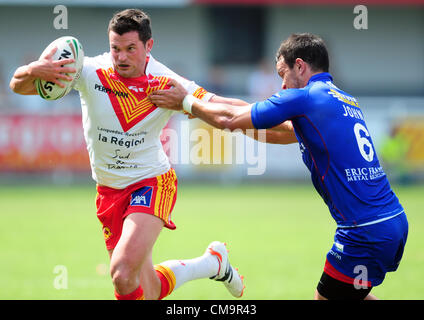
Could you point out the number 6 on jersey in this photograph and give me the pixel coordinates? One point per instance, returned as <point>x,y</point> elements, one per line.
<point>363,141</point>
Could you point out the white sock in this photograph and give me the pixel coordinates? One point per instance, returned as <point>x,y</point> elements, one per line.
<point>205,266</point>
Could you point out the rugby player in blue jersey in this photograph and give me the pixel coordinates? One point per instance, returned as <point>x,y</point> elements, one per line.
<point>337,149</point>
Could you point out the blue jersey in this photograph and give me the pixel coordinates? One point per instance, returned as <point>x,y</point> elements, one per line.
<point>336,148</point>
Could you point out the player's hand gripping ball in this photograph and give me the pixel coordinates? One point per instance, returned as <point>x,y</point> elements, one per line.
<point>67,48</point>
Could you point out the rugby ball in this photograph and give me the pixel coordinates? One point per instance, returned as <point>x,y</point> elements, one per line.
<point>67,48</point>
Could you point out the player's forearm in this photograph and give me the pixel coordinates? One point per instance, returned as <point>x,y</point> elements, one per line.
<point>230,101</point>
<point>281,134</point>
<point>22,81</point>
<point>216,114</point>
<point>219,115</point>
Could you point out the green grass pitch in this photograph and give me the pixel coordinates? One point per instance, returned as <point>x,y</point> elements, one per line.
<point>278,235</point>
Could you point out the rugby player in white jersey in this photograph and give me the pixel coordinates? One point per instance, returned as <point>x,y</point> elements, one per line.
<point>135,183</point>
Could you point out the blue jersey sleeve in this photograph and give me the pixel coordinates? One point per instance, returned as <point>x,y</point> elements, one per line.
<point>282,106</point>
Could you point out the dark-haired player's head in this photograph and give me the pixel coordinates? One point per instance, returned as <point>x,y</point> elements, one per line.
<point>300,56</point>
<point>131,20</point>
<point>130,40</point>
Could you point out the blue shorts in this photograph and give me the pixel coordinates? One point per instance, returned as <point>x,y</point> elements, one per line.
<point>367,253</point>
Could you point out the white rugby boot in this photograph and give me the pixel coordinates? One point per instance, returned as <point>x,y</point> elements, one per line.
<point>226,273</point>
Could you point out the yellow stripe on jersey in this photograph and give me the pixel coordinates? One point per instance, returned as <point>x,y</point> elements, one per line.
<point>114,85</point>
<point>130,105</point>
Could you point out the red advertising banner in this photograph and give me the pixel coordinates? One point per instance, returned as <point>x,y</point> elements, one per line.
<point>37,143</point>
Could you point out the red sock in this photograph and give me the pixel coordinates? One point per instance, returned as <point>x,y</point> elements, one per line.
<point>137,294</point>
<point>167,280</point>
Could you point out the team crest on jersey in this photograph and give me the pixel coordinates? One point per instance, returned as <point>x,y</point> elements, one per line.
<point>142,197</point>
<point>132,106</point>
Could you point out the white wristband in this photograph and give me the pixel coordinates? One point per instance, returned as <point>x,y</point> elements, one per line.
<point>188,103</point>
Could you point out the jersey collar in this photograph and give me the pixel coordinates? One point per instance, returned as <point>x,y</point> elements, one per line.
<point>323,76</point>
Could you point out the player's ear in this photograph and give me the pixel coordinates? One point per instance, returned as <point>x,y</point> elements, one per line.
<point>149,45</point>
<point>300,66</point>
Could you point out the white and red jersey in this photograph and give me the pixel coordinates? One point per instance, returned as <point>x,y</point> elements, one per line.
<point>122,127</point>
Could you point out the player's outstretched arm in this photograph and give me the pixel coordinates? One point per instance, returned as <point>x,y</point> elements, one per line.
<point>281,134</point>
<point>45,68</point>
<point>231,101</point>
<point>222,113</point>
<point>219,115</point>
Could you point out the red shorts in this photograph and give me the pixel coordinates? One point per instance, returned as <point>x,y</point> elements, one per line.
<point>155,196</point>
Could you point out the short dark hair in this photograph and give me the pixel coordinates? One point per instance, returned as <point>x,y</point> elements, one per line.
<point>310,48</point>
<point>131,20</point>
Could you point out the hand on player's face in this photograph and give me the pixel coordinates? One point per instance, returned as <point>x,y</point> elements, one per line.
<point>171,98</point>
<point>52,70</point>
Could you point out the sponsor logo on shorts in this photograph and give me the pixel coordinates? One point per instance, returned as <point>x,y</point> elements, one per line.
<point>142,197</point>
<point>106,233</point>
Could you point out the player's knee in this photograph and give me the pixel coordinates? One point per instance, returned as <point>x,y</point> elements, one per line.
<point>123,276</point>
<point>121,279</point>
